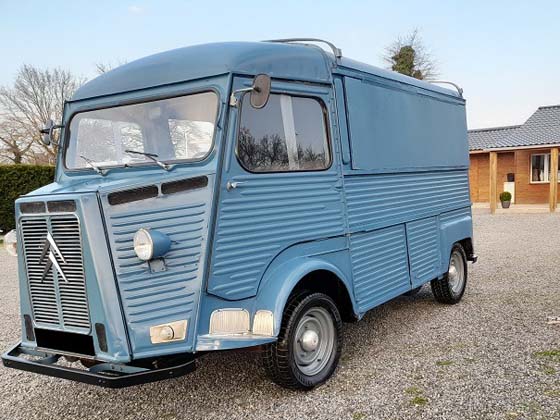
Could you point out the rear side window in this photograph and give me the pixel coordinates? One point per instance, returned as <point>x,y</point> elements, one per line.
<point>288,134</point>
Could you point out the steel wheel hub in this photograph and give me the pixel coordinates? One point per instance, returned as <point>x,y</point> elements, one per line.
<point>314,341</point>
<point>309,340</point>
<point>456,273</point>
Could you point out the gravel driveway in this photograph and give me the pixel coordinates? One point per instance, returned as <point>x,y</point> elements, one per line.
<point>492,356</point>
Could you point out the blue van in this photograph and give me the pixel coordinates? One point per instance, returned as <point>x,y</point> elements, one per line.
<point>234,195</point>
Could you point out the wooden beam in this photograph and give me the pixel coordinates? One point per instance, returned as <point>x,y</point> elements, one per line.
<point>553,198</point>
<point>493,181</point>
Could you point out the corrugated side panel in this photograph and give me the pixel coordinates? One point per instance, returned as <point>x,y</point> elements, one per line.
<point>151,296</point>
<point>423,250</point>
<point>380,200</point>
<point>379,265</point>
<point>455,215</point>
<point>262,217</point>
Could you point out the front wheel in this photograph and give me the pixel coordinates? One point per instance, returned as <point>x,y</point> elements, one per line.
<point>451,287</point>
<point>309,344</point>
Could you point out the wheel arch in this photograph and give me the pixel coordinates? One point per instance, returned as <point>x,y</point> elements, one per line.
<point>329,283</point>
<point>467,245</point>
<point>456,227</point>
<point>305,273</point>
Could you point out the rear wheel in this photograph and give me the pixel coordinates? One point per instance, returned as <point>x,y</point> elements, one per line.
<point>451,287</point>
<point>309,344</point>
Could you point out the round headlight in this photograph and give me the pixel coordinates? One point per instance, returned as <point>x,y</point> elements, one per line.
<point>143,245</point>
<point>10,242</point>
<point>149,244</point>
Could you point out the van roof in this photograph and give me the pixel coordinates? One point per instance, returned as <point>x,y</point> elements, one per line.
<point>279,60</point>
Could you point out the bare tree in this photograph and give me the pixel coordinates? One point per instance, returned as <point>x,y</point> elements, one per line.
<point>408,55</point>
<point>14,145</point>
<point>101,68</point>
<point>105,67</point>
<point>36,96</point>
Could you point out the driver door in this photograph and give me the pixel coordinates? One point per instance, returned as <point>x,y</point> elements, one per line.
<point>281,183</point>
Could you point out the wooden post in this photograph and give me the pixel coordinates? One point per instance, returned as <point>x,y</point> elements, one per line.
<point>553,198</point>
<point>493,181</point>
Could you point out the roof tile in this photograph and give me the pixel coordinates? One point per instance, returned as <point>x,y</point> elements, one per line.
<point>543,127</point>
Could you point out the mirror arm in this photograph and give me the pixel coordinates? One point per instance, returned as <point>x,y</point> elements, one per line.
<point>50,129</point>
<point>233,100</point>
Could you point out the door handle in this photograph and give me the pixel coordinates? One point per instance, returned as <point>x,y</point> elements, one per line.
<point>231,185</point>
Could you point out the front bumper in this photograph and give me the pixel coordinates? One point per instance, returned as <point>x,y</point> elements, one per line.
<point>108,375</point>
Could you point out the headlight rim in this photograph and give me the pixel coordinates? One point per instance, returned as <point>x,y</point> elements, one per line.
<point>150,240</point>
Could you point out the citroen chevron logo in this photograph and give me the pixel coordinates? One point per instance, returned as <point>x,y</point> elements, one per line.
<point>51,248</point>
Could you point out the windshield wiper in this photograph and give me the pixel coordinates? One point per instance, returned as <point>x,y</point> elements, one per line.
<point>98,169</point>
<point>151,156</point>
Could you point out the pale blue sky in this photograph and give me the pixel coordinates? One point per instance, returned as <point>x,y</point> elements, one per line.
<point>505,54</point>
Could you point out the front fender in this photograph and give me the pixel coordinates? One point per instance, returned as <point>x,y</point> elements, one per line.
<point>293,264</point>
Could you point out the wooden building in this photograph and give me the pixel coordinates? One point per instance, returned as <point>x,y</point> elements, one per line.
<point>521,159</point>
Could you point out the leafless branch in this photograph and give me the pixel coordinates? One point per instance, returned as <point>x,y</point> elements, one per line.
<point>36,96</point>
<point>102,68</point>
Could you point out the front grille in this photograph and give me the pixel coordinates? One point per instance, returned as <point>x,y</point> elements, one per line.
<point>58,296</point>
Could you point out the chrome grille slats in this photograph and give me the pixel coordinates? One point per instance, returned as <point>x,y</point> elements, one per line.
<point>42,290</point>
<point>66,233</point>
<point>56,302</point>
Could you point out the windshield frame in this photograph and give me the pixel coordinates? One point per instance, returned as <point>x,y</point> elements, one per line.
<point>135,101</point>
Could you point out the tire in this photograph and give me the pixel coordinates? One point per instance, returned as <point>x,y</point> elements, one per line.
<point>413,292</point>
<point>451,287</point>
<point>309,345</point>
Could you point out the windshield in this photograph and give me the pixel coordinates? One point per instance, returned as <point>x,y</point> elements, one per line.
<point>173,129</point>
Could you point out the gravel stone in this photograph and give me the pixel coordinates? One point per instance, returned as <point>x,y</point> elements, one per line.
<point>492,356</point>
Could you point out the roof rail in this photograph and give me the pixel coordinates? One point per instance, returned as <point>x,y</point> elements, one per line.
<point>336,51</point>
<point>445,82</point>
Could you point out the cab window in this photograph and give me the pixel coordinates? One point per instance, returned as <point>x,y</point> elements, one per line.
<point>288,134</point>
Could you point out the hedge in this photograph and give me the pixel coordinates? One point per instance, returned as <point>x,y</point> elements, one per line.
<point>16,180</point>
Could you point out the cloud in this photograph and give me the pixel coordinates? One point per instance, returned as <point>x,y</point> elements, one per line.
<point>135,9</point>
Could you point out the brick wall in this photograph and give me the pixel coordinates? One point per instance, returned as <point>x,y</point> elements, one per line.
<point>517,162</point>
<point>479,174</point>
<point>506,165</point>
<point>479,177</point>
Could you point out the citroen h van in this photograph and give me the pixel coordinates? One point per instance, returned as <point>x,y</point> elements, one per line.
<point>234,195</point>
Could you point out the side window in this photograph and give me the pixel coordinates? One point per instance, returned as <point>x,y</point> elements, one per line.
<point>288,134</point>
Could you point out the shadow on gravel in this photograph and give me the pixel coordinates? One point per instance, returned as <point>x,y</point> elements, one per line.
<point>224,382</point>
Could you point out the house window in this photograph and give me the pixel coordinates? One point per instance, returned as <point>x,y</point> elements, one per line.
<point>540,168</point>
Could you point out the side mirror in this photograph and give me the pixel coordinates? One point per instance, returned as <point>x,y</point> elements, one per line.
<point>260,91</point>
<point>47,132</point>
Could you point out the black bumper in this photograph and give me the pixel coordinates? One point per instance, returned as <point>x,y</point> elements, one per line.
<point>108,375</point>
<point>472,257</point>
